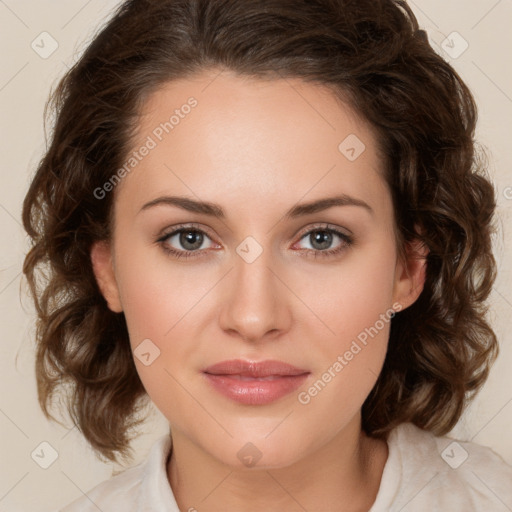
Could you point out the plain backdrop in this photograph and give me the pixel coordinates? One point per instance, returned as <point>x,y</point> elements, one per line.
<point>474,35</point>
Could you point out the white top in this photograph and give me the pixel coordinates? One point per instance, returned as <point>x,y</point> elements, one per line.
<point>423,473</point>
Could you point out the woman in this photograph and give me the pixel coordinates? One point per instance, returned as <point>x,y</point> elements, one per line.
<point>269,219</point>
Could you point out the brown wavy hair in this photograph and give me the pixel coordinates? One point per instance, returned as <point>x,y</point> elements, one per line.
<point>369,51</point>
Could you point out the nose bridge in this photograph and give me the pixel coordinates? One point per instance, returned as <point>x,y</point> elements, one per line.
<point>254,302</point>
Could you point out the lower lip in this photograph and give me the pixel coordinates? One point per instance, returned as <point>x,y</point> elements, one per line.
<point>257,391</point>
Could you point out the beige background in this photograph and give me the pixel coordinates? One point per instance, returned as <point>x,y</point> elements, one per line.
<point>25,81</point>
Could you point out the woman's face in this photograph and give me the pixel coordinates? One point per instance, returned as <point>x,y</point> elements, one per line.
<point>272,272</point>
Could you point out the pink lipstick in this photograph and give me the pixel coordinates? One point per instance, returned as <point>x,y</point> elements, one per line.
<point>255,382</point>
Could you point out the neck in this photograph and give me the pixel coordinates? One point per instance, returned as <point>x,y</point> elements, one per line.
<point>342,475</point>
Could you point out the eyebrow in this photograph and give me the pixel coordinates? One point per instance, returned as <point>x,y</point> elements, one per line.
<point>215,210</point>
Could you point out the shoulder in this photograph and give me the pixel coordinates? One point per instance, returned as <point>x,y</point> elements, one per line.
<point>426,472</point>
<point>121,490</point>
<point>130,491</point>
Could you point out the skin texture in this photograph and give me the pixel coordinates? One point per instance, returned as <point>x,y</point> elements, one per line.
<point>257,148</point>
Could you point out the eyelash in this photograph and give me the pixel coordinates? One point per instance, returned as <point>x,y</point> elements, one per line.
<point>347,241</point>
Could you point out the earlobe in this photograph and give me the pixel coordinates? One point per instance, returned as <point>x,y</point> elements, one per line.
<point>411,274</point>
<point>101,258</point>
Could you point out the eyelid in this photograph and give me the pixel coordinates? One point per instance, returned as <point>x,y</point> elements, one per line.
<point>326,226</point>
<point>167,232</point>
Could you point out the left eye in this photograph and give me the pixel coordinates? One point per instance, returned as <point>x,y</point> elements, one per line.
<point>322,239</point>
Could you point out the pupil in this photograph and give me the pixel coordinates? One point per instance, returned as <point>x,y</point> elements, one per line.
<point>323,238</point>
<point>193,238</point>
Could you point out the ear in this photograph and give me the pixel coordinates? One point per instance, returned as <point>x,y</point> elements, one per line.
<point>102,264</point>
<point>410,273</point>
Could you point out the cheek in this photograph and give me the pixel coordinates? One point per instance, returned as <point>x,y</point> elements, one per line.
<point>156,293</point>
<point>162,302</point>
<point>354,302</point>
<point>350,298</point>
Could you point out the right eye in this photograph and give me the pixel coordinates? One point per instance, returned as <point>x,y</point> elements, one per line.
<point>184,242</point>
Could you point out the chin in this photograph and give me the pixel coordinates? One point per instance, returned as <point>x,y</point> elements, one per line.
<point>253,452</point>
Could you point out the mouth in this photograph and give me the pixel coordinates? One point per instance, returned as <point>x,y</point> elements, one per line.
<point>255,382</point>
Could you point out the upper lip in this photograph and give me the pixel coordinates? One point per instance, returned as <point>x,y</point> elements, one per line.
<point>254,368</point>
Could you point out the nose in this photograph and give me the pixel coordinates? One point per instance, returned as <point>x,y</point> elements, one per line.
<point>255,302</point>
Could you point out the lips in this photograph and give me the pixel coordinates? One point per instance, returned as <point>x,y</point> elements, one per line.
<point>255,382</point>
<point>254,369</point>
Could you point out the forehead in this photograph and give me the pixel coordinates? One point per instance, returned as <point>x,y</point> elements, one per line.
<point>221,135</point>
